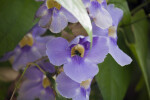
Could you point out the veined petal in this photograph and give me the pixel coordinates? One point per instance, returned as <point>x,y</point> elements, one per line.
<point>35,92</point>
<point>115,13</point>
<point>120,57</point>
<point>68,15</point>
<point>29,91</point>
<point>7,56</point>
<point>44,40</point>
<point>41,11</point>
<point>104,3</point>
<point>98,31</point>
<point>34,74</point>
<point>79,70</point>
<point>81,95</point>
<point>57,51</point>
<point>47,66</point>
<point>22,57</point>
<point>26,54</point>
<point>41,44</point>
<point>47,94</point>
<point>59,21</point>
<point>98,51</point>
<point>28,84</point>
<point>100,15</point>
<point>66,86</point>
<point>45,20</point>
<point>37,30</point>
<point>76,40</point>
<point>86,3</point>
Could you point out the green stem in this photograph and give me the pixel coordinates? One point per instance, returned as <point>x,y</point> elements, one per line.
<point>38,67</point>
<point>17,84</point>
<point>133,22</point>
<point>139,7</point>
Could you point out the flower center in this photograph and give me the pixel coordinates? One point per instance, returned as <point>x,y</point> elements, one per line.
<point>100,1</point>
<point>112,31</point>
<point>27,40</point>
<point>52,3</point>
<point>46,83</point>
<point>77,50</point>
<point>86,84</point>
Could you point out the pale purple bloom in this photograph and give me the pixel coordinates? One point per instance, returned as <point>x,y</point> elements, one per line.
<point>36,85</point>
<point>72,89</point>
<point>34,49</point>
<point>54,18</point>
<point>87,2</point>
<point>99,14</point>
<point>111,32</point>
<point>80,62</point>
<point>37,30</point>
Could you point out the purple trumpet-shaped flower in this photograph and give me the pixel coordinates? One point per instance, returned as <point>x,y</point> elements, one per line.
<point>36,85</point>
<point>87,2</point>
<point>28,50</point>
<point>111,32</point>
<point>80,61</point>
<point>37,31</point>
<point>53,16</point>
<point>72,89</point>
<point>99,14</point>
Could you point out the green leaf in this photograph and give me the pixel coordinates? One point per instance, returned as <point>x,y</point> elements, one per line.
<point>140,48</point>
<point>78,10</point>
<point>4,86</point>
<point>95,92</point>
<point>112,79</point>
<point>16,18</point>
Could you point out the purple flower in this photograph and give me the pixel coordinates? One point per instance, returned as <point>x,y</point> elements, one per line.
<point>111,32</point>
<point>37,31</point>
<point>72,89</point>
<point>87,2</point>
<point>98,13</point>
<point>53,16</point>
<point>36,85</point>
<point>80,62</point>
<point>28,50</point>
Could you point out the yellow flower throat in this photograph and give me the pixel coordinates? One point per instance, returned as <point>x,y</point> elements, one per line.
<point>77,50</point>
<point>52,3</point>
<point>27,40</point>
<point>46,83</point>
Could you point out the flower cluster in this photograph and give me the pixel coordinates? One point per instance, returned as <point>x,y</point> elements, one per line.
<point>77,59</point>
<point>37,85</point>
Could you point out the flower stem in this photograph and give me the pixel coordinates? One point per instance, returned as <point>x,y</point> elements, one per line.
<point>139,7</point>
<point>133,22</point>
<point>17,84</point>
<point>37,67</point>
